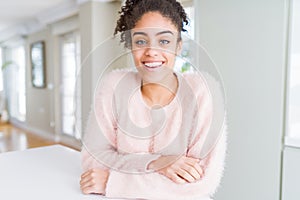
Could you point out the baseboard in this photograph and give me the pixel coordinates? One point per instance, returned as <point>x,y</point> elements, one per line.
<point>41,133</point>
<point>70,142</point>
<point>62,139</point>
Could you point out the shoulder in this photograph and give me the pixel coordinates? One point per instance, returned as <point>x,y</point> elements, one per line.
<point>113,78</point>
<point>195,81</point>
<point>109,81</point>
<point>202,82</point>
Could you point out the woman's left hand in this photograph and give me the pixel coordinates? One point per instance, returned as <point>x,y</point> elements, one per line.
<point>94,181</point>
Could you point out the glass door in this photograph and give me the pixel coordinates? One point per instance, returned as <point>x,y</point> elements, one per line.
<point>70,93</point>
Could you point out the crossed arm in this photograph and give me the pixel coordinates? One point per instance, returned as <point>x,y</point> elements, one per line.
<point>205,180</point>
<point>182,173</point>
<point>179,169</point>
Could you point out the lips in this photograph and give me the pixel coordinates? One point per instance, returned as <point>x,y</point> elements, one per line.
<point>153,64</point>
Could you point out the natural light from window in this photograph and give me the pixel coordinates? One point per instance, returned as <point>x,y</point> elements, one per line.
<point>190,28</point>
<point>293,100</point>
<point>70,94</point>
<point>18,104</point>
<point>182,63</point>
<point>1,78</point>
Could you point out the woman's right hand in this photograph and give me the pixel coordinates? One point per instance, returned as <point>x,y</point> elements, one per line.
<point>179,169</point>
<point>94,181</point>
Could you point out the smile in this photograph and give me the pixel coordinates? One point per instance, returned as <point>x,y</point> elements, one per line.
<point>153,65</point>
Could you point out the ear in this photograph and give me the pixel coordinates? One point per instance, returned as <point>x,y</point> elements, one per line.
<point>179,47</point>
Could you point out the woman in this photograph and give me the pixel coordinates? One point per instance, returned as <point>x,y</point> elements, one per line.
<point>147,128</point>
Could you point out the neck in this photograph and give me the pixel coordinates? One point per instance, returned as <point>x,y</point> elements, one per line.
<point>160,93</point>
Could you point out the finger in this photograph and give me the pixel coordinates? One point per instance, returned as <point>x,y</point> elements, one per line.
<point>86,173</point>
<point>194,162</point>
<point>177,179</point>
<point>86,190</point>
<point>93,188</point>
<point>85,180</point>
<point>87,183</point>
<point>90,173</point>
<point>185,175</point>
<point>199,169</point>
<point>90,190</point>
<point>192,171</point>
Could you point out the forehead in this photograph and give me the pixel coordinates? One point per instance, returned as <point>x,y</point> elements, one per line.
<point>156,22</point>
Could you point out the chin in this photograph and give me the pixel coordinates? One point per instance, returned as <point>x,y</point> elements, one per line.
<point>154,76</point>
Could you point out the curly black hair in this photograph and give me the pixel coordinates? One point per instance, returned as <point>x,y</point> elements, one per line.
<point>133,11</point>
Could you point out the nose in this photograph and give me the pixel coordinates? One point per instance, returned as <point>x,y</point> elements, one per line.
<point>151,51</point>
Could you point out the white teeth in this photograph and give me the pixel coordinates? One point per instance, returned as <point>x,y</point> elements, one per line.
<point>153,64</point>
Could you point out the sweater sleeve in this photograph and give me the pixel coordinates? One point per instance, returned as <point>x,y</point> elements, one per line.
<point>100,152</point>
<point>99,146</point>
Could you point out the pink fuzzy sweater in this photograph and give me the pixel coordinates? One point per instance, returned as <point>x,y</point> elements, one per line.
<point>124,135</point>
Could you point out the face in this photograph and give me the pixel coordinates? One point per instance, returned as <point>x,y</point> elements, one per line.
<point>154,46</point>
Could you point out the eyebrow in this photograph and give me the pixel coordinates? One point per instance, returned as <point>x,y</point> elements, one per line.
<point>159,33</point>
<point>164,32</point>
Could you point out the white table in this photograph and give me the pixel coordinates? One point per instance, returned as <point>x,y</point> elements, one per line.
<point>47,173</point>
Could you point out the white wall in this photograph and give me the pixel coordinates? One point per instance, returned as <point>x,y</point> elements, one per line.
<point>39,107</point>
<point>291,175</point>
<point>97,22</point>
<point>246,39</point>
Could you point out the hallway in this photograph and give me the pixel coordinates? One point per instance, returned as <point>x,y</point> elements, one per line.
<point>13,139</point>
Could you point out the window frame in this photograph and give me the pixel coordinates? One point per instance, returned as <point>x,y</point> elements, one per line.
<point>77,122</point>
<point>288,139</point>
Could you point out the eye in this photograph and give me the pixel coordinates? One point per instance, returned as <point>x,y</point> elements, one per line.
<point>141,42</point>
<point>164,42</point>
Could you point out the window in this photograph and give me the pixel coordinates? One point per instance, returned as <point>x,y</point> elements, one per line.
<point>182,63</point>
<point>70,96</point>
<point>2,99</point>
<point>190,28</point>
<point>16,85</point>
<point>293,98</point>
<point>1,76</point>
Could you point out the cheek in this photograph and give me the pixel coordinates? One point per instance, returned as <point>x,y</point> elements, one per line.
<point>137,55</point>
<point>171,57</point>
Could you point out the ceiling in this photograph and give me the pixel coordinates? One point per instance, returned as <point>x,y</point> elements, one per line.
<point>16,12</point>
<point>22,17</point>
